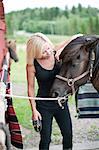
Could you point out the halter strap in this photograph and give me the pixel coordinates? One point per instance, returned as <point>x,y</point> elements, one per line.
<point>71,81</point>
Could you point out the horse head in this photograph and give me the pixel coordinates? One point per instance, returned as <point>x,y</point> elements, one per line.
<point>78,65</point>
<point>11,44</point>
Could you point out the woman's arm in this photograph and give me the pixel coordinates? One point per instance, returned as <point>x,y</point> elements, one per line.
<point>59,48</point>
<point>31,84</point>
<point>31,90</point>
<point>61,45</point>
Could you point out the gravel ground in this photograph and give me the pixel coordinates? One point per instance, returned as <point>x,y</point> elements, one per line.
<point>84,129</point>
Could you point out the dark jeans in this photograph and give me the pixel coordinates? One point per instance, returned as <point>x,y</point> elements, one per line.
<point>62,117</point>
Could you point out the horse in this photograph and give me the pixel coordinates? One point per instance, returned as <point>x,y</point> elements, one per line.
<point>12,55</point>
<point>11,45</point>
<point>80,63</point>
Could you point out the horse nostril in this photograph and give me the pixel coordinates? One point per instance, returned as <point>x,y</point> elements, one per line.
<point>55,94</point>
<point>16,60</point>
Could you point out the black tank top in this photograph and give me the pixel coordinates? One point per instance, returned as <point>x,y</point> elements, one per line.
<point>45,78</point>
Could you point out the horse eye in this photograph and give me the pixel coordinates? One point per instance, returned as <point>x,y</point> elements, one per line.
<point>73,65</point>
<point>78,57</point>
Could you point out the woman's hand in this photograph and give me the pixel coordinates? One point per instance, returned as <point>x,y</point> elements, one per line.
<point>58,52</point>
<point>59,48</point>
<point>37,120</point>
<point>36,115</point>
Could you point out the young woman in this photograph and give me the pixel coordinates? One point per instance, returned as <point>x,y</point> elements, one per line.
<point>41,63</point>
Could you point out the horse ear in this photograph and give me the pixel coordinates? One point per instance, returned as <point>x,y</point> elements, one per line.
<point>90,40</point>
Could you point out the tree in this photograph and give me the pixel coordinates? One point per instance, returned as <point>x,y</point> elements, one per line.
<point>97,24</point>
<point>66,12</point>
<point>91,24</point>
<point>80,8</point>
<point>73,10</point>
<point>10,26</point>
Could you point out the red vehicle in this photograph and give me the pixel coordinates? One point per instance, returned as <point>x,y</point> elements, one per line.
<point>4,63</point>
<point>6,54</point>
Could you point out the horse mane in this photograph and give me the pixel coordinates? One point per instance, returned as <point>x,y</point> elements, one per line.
<point>71,49</point>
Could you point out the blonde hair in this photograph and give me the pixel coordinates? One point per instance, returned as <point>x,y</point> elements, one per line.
<point>35,46</point>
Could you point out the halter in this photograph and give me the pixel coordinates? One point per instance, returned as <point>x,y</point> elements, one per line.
<point>71,81</point>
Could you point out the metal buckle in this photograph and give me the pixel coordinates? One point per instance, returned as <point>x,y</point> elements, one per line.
<point>61,100</point>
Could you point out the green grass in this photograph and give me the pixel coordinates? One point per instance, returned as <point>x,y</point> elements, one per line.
<point>18,72</point>
<point>23,112</point>
<point>57,38</point>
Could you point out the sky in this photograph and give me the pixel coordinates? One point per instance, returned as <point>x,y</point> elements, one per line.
<point>14,5</point>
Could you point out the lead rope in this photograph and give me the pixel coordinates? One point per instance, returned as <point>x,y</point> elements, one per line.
<point>60,100</point>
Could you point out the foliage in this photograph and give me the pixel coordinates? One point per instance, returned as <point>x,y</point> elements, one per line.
<point>55,21</point>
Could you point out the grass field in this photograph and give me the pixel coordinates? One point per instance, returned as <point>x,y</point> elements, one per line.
<point>18,75</point>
